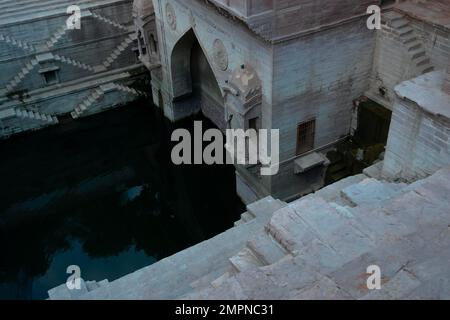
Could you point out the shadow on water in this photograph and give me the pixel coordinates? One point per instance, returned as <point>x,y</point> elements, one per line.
<point>103,194</point>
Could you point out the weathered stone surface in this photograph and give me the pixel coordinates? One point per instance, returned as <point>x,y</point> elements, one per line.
<point>371,192</point>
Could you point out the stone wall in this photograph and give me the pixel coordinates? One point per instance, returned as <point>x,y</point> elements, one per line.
<point>277,19</point>
<point>317,77</point>
<point>419,137</point>
<point>402,57</point>
<point>101,52</point>
<point>240,46</point>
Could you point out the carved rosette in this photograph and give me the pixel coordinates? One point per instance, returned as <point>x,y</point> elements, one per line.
<point>220,55</point>
<point>171,16</point>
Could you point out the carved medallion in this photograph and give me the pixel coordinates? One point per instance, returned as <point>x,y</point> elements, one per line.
<point>171,16</point>
<point>220,55</point>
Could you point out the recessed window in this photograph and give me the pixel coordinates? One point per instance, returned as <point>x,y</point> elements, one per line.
<point>253,124</point>
<point>136,54</point>
<point>142,44</point>
<point>305,136</point>
<point>50,77</point>
<point>153,44</point>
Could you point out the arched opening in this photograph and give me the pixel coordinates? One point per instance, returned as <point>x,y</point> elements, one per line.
<point>194,84</point>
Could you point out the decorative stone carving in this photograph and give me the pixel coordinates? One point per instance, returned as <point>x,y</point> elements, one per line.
<point>243,97</point>
<point>247,86</point>
<point>220,55</point>
<point>171,16</point>
<point>191,18</point>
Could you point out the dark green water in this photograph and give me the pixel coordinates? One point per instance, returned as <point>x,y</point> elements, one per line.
<point>103,194</point>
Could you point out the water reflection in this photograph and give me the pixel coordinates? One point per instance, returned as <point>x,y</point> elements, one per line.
<point>102,193</point>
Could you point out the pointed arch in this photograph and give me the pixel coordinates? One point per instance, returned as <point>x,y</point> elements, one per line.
<point>194,79</point>
<point>181,63</point>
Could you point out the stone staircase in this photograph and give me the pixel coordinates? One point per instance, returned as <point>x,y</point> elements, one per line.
<point>16,120</point>
<point>21,75</point>
<point>74,63</point>
<point>318,247</point>
<point>18,43</point>
<point>188,270</point>
<point>55,37</point>
<point>35,116</point>
<point>90,100</point>
<point>99,93</point>
<point>127,89</point>
<point>110,22</point>
<point>414,46</point>
<point>13,10</point>
<point>118,51</point>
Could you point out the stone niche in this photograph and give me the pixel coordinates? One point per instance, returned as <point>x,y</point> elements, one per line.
<point>145,26</point>
<point>243,99</point>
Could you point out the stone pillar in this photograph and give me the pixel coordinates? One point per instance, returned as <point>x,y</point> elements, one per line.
<point>446,84</point>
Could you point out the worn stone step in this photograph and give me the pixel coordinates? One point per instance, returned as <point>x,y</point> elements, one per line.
<point>265,207</point>
<point>406,31</point>
<point>332,193</point>
<point>266,249</point>
<point>374,171</point>
<point>244,260</point>
<point>418,53</point>
<point>219,281</point>
<point>246,217</point>
<point>289,230</point>
<point>207,279</point>
<point>333,229</point>
<point>423,61</point>
<point>371,192</point>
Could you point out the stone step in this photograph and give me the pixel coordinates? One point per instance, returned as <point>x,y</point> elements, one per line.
<point>428,69</point>
<point>266,249</point>
<point>334,232</point>
<point>371,192</point>
<point>404,32</point>
<point>374,171</point>
<point>418,53</point>
<point>208,279</point>
<point>244,260</point>
<point>332,193</point>
<point>219,281</point>
<point>247,216</point>
<point>400,23</point>
<point>289,230</point>
<point>264,208</point>
<point>393,16</point>
<point>171,277</point>
<point>424,61</point>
